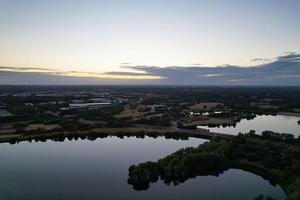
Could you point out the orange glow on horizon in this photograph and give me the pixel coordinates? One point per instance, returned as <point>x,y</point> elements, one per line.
<point>136,76</point>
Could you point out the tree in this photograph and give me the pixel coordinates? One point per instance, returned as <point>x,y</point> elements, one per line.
<point>259,197</point>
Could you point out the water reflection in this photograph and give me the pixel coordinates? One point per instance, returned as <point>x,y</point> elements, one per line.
<point>98,170</point>
<point>278,123</point>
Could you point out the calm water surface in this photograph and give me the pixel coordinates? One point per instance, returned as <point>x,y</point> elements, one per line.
<point>278,123</point>
<point>98,169</point>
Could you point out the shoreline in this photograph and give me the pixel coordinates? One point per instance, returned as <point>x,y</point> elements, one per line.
<point>150,131</point>
<point>245,152</point>
<point>289,114</point>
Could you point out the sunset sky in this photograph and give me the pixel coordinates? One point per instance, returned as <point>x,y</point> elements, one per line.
<point>149,42</point>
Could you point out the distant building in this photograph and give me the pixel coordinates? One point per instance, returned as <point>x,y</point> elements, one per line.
<point>22,94</point>
<point>77,101</point>
<point>120,100</point>
<point>100,100</point>
<point>102,94</point>
<point>61,102</point>
<point>158,108</point>
<point>88,105</point>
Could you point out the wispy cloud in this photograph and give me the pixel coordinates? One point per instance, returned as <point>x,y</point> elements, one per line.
<point>290,57</point>
<point>213,75</point>
<point>25,69</point>
<point>195,64</point>
<point>262,60</point>
<point>107,75</point>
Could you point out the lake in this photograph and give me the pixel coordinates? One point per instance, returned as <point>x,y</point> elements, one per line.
<point>278,123</point>
<point>98,169</point>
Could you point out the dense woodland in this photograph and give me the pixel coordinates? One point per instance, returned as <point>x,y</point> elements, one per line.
<point>276,159</point>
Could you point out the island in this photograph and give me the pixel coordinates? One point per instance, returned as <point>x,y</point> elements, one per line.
<point>274,156</point>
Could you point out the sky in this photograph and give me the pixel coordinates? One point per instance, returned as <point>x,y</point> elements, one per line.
<point>188,42</point>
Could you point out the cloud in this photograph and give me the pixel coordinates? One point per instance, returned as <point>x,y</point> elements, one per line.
<point>25,69</point>
<point>238,80</point>
<point>195,64</point>
<point>38,78</point>
<point>290,57</point>
<point>282,70</point>
<point>108,75</point>
<point>261,60</point>
<point>212,75</point>
<point>125,73</point>
<point>257,59</point>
